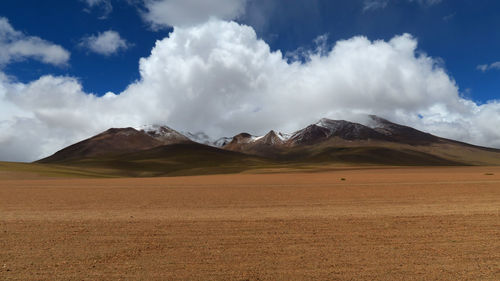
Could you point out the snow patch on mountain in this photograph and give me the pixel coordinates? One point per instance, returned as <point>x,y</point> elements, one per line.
<point>164,134</point>
<point>376,122</point>
<point>284,136</point>
<point>222,142</point>
<point>256,138</point>
<point>199,137</point>
<point>270,138</point>
<point>203,138</point>
<point>333,125</point>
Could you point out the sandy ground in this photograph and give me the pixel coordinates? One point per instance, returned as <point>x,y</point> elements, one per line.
<point>376,224</point>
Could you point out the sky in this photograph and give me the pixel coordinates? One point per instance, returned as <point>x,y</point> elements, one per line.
<point>71,69</point>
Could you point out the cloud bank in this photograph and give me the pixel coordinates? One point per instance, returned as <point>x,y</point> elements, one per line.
<point>106,43</point>
<point>218,77</point>
<point>16,46</point>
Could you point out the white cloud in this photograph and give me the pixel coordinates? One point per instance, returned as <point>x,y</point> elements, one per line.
<point>16,46</point>
<point>491,66</point>
<point>106,43</point>
<point>168,13</point>
<point>449,17</point>
<point>374,4</point>
<point>219,78</point>
<point>105,5</point>
<point>427,2</point>
<point>381,4</point>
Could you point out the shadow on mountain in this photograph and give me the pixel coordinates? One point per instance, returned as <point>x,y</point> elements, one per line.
<point>171,160</point>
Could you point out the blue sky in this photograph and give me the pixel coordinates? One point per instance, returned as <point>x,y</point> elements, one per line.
<point>65,23</point>
<point>71,69</point>
<point>463,33</point>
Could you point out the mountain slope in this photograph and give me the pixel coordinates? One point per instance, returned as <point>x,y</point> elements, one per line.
<point>111,142</point>
<point>400,133</point>
<point>171,160</point>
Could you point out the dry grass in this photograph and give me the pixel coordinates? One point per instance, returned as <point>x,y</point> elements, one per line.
<point>377,224</point>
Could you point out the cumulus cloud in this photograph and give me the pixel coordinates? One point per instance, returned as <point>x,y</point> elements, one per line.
<point>106,43</point>
<point>16,46</point>
<point>220,78</point>
<point>491,66</point>
<point>105,6</point>
<point>168,13</point>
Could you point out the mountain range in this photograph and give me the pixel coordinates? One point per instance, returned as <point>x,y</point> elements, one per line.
<point>160,150</point>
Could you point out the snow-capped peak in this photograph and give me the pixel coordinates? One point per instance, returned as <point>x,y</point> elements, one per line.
<point>203,138</point>
<point>199,137</point>
<point>164,134</point>
<point>222,142</point>
<point>284,136</point>
<point>168,134</point>
<point>331,125</point>
<point>323,122</point>
<point>156,129</point>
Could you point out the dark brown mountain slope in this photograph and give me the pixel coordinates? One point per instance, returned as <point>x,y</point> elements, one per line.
<point>118,141</point>
<point>402,134</point>
<point>111,142</point>
<point>327,128</point>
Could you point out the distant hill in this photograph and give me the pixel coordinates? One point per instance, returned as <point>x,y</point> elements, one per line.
<point>379,142</point>
<point>160,150</point>
<point>110,142</point>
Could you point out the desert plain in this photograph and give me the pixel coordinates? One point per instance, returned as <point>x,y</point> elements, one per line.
<point>344,223</point>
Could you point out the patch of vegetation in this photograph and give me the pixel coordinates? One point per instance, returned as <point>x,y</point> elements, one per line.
<point>20,170</point>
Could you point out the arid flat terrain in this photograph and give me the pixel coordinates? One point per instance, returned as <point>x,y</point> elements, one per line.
<point>345,224</point>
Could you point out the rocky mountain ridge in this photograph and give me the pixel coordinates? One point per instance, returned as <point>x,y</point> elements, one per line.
<point>325,140</point>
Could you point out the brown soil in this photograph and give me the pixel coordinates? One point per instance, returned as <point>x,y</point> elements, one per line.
<point>376,224</point>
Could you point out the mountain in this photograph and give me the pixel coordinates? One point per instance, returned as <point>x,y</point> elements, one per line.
<point>379,129</point>
<point>149,151</point>
<point>326,129</point>
<point>376,129</point>
<point>118,141</point>
<point>378,142</point>
<point>273,139</point>
<point>269,145</point>
<point>201,137</point>
<point>111,142</point>
<point>160,150</point>
<point>164,134</point>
